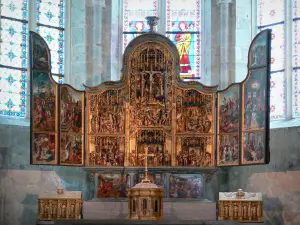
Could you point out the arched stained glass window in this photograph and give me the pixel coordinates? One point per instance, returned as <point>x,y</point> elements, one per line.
<point>271,16</point>
<point>14,48</point>
<point>183,24</point>
<point>134,13</point>
<point>182,20</point>
<point>50,25</point>
<point>13,57</point>
<point>296,57</point>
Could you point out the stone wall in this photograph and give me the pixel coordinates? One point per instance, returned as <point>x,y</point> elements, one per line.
<point>279,181</point>
<point>21,182</point>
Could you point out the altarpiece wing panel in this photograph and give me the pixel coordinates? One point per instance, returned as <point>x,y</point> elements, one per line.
<point>44,105</point>
<point>229,114</point>
<point>256,102</point>
<point>72,114</point>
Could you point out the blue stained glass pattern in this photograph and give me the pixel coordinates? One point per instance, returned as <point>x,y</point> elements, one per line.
<point>13,53</point>
<point>17,9</point>
<point>55,40</point>
<point>185,16</point>
<point>50,12</point>
<point>14,43</point>
<point>58,79</point>
<point>134,13</point>
<point>13,92</point>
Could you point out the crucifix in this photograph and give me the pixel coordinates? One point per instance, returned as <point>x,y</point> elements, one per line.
<point>146,180</point>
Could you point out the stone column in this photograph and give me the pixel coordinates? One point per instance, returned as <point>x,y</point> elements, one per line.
<point>224,78</point>
<point>116,39</point>
<point>244,25</point>
<point>77,53</point>
<point>97,46</point>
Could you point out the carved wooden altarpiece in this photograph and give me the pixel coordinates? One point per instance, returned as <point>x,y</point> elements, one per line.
<point>108,127</point>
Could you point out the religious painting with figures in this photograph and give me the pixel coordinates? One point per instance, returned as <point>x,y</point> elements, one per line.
<point>254,117</point>
<point>71,126</point>
<point>258,51</point>
<point>253,147</point>
<point>228,126</point>
<point>44,119</point>
<point>113,185</point>
<point>186,186</point>
<point>40,55</point>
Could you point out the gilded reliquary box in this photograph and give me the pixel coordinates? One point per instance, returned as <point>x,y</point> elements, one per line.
<point>246,207</point>
<point>53,206</point>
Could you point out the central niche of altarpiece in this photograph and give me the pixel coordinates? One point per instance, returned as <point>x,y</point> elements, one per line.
<point>150,110</point>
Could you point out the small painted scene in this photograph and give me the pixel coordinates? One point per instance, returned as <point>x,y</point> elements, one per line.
<point>258,52</point>
<point>40,57</point>
<point>255,100</point>
<point>113,185</point>
<point>43,148</point>
<point>229,110</point>
<point>44,103</point>
<point>71,149</point>
<point>254,148</point>
<point>228,150</point>
<point>71,110</point>
<point>186,186</point>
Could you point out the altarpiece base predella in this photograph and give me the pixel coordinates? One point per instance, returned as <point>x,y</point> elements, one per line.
<point>186,128</point>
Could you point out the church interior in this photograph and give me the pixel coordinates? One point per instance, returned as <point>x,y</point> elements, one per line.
<point>171,110</point>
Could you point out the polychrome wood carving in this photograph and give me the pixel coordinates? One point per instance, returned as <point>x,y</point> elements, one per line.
<point>151,110</point>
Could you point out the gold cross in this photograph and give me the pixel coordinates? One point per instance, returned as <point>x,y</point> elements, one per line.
<point>146,180</point>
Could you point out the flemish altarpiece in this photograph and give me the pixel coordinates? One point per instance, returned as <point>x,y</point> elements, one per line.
<point>188,129</point>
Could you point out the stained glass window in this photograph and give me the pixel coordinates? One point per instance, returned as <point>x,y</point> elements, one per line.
<point>277,97</point>
<point>183,24</point>
<point>271,16</point>
<point>134,13</point>
<point>13,57</point>
<point>296,57</point>
<point>50,25</point>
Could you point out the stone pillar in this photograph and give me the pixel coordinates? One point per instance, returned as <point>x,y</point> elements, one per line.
<point>206,37</point>
<point>116,40</point>
<point>224,78</point>
<point>106,40</point>
<point>215,43</point>
<point>97,46</point>
<point>288,29</point>
<point>243,36</point>
<point>77,69</point>
<point>89,31</point>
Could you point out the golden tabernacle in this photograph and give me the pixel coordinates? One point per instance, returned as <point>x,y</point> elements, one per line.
<point>145,199</point>
<point>242,206</point>
<point>60,205</point>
